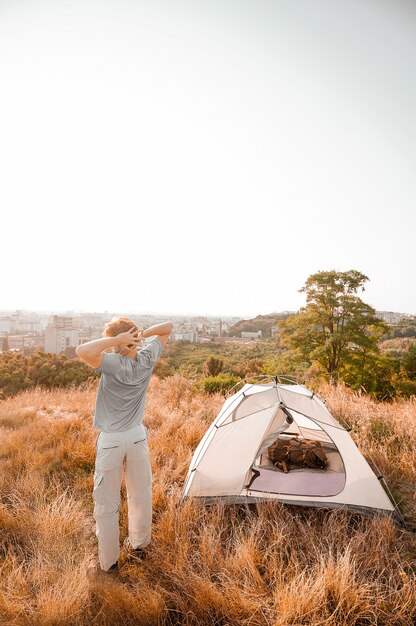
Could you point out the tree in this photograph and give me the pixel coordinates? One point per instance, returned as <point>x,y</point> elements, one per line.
<point>409,362</point>
<point>213,366</point>
<point>336,329</point>
<point>19,372</point>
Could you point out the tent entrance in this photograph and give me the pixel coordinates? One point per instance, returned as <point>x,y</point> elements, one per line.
<point>266,477</point>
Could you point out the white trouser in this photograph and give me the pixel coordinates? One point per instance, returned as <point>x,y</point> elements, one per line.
<point>112,449</point>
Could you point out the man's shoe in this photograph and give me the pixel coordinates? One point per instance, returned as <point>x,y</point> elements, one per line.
<point>96,570</point>
<point>113,569</point>
<point>136,554</point>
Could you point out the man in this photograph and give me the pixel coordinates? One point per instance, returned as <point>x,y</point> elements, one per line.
<point>125,375</point>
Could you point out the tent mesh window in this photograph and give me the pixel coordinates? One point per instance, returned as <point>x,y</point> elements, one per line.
<point>328,481</point>
<point>287,453</point>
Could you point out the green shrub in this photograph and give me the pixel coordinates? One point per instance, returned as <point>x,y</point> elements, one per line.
<point>219,384</point>
<point>41,369</point>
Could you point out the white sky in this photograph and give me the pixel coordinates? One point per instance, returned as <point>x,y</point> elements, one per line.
<point>205,157</point>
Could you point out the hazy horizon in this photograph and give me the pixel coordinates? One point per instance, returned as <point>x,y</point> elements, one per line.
<point>169,313</point>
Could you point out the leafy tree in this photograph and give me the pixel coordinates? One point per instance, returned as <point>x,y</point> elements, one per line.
<point>409,362</point>
<point>405,328</point>
<point>336,330</point>
<point>213,366</point>
<point>289,363</point>
<point>249,367</point>
<point>405,382</point>
<point>19,372</point>
<point>373,373</point>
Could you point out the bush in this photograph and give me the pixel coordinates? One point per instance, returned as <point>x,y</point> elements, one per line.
<point>219,384</point>
<point>18,372</point>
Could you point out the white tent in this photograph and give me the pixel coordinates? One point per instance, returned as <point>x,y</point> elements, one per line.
<point>231,461</point>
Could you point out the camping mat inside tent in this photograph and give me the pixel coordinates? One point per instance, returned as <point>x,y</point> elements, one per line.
<point>300,481</point>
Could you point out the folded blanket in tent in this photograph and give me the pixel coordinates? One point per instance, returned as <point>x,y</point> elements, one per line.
<point>285,453</point>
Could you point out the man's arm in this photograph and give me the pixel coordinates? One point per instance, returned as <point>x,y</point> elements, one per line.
<point>92,351</point>
<point>161,331</point>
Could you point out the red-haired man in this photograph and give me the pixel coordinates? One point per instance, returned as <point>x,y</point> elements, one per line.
<point>125,371</point>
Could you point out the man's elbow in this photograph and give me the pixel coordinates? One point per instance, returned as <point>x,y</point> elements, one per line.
<point>163,337</point>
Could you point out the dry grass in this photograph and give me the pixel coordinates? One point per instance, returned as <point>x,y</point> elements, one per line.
<point>268,565</point>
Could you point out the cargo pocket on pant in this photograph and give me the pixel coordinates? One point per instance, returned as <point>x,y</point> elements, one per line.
<point>99,495</point>
<point>108,459</point>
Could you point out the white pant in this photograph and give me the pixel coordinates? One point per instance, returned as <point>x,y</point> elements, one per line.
<point>112,449</point>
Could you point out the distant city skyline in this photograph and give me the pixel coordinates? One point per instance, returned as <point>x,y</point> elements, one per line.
<point>205,158</point>
<point>27,331</point>
<point>163,314</point>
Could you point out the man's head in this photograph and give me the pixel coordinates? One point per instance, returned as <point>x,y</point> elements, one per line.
<point>119,325</point>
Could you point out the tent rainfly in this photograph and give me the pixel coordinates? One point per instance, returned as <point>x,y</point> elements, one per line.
<point>231,462</point>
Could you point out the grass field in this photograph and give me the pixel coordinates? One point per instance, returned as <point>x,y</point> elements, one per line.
<point>266,565</point>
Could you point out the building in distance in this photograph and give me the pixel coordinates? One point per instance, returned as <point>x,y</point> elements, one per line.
<point>249,335</point>
<point>61,335</point>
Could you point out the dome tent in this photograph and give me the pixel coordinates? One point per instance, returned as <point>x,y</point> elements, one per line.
<point>231,462</point>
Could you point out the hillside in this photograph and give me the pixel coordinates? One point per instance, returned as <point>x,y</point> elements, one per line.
<point>267,566</point>
<point>264,323</point>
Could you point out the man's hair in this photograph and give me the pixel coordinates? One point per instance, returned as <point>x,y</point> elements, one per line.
<point>118,325</point>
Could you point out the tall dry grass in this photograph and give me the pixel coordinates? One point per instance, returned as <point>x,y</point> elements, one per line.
<point>266,565</point>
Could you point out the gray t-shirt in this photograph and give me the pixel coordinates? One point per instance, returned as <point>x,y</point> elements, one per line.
<point>122,390</point>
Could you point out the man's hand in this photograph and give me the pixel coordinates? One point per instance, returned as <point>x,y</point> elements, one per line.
<point>128,340</point>
<point>130,336</point>
<point>92,351</point>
